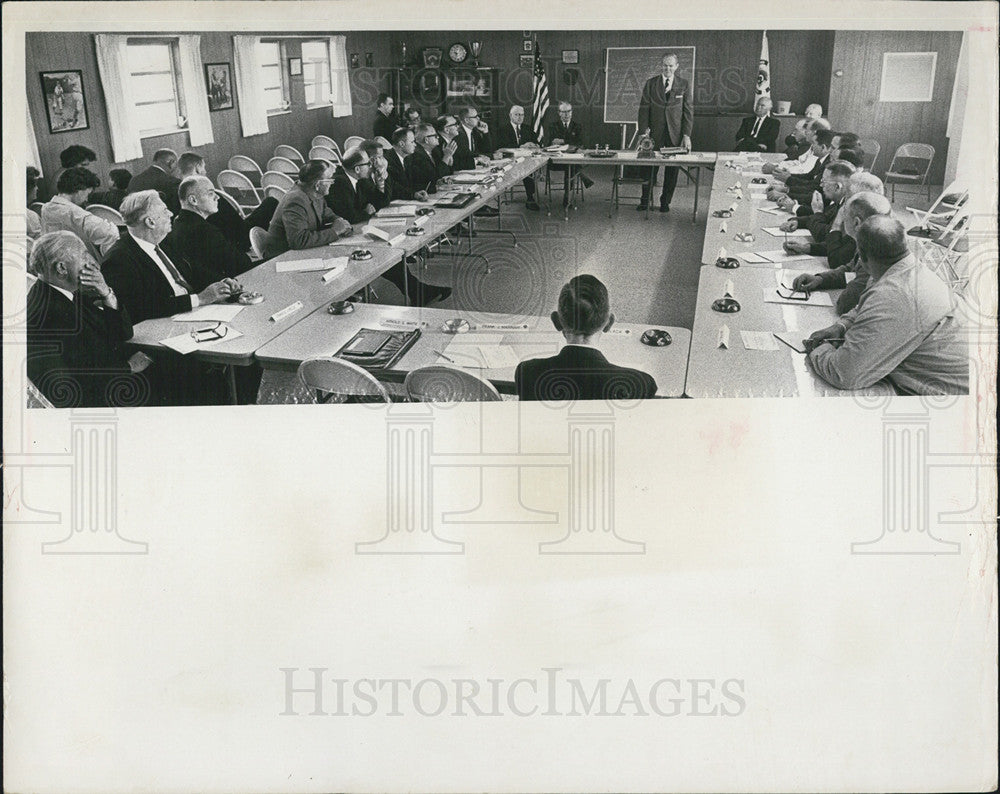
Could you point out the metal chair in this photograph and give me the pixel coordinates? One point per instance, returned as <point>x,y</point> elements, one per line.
<point>931,222</point>
<point>946,255</point>
<point>439,384</point>
<point>283,150</point>
<point>222,194</point>
<point>324,153</point>
<point>871,148</point>
<point>327,141</point>
<point>109,214</point>
<point>246,166</point>
<point>352,141</point>
<point>257,237</point>
<point>240,188</point>
<point>336,379</point>
<point>277,179</point>
<point>284,165</point>
<point>275,192</point>
<point>910,165</point>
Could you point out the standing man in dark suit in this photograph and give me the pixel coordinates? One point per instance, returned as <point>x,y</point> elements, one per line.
<point>77,330</point>
<point>580,371</point>
<point>386,120</point>
<point>196,240</point>
<point>666,113</point>
<point>518,135</point>
<point>403,146</point>
<point>759,132</point>
<point>346,197</point>
<point>160,176</point>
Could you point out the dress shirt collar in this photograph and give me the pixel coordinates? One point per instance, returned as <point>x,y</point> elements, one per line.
<point>580,344</point>
<point>353,179</point>
<point>148,247</point>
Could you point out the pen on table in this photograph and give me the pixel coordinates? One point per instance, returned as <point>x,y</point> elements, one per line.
<point>446,358</point>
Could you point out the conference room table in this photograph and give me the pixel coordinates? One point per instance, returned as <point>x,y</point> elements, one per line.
<point>498,340</point>
<point>304,292</point>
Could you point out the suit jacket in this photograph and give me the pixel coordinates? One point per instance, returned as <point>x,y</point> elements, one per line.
<point>766,139</point>
<point>369,193</point>
<point>465,158</point>
<point>580,373</point>
<point>154,178</point>
<point>399,186</point>
<point>346,200</point>
<point>443,169</point>
<point>504,136</point>
<point>668,118</point>
<point>385,125</point>
<point>140,284</point>
<point>202,244</point>
<point>422,169</point>
<point>76,356</point>
<point>298,223</point>
<point>571,134</point>
<point>802,186</point>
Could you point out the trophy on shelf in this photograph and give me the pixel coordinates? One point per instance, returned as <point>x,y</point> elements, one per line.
<point>477,46</point>
<point>403,63</point>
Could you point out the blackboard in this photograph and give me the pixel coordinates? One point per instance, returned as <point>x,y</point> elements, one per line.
<point>626,70</point>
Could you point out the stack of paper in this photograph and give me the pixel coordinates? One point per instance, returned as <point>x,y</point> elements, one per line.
<point>301,265</point>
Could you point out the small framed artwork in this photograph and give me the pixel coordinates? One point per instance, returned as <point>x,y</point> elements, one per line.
<point>295,67</point>
<point>355,60</point>
<point>65,104</point>
<point>526,45</point>
<point>219,79</point>
<point>571,56</point>
<point>527,61</point>
<point>369,59</point>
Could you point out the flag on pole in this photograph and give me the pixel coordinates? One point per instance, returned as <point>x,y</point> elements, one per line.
<point>763,72</point>
<point>539,96</point>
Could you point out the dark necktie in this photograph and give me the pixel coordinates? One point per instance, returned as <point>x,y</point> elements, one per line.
<point>756,126</point>
<point>172,269</point>
<point>517,133</point>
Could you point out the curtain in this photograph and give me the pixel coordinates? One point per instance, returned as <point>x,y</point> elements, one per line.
<point>340,84</point>
<point>33,158</point>
<point>249,87</point>
<point>112,64</point>
<point>199,123</point>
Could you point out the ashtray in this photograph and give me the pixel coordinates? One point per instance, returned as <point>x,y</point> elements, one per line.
<point>455,326</point>
<point>656,337</point>
<point>722,214</point>
<point>727,262</point>
<point>250,298</point>
<point>744,237</point>
<point>726,305</point>
<point>758,180</point>
<point>340,307</point>
<point>425,211</point>
<point>415,231</point>
<point>361,255</point>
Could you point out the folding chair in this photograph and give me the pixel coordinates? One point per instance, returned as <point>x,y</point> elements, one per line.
<point>341,381</point>
<point>910,165</point>
<point>246,166</point>
<point>222,194</point>
<point>240,188</point>
<point>947,254</point>
<point>257,237</point>
<point>283,150</point>
<point>931,222</point>
<point>871,148</point>
<point>352,141</point>
<point>327,141</point>
<point>324,153</point>
<point>437,384</point>
<point>107,213</point>
<point>277,179</point>
<point>284,165</point>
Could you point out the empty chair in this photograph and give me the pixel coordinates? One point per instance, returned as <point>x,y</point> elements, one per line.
<point>283,150</point>
<point>947,254</point>
<point>257,236</point>
<point>284,165</point>
<point>334,378</point>
<point>107,213</point>
<point>246,166</point>
<point>932,221</point>
<point>871,148</point>
<point>324,153</point>
<point>224,196</point>
<point>910,166</point>
<point>327,141</point>
<point>240,188</point>
<point>275,192</point>
<point>276,178</point>
<point>352,141</point>
<point>440,384</point>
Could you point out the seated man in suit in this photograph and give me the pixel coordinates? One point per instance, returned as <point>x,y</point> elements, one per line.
<point>346,197</point>
<point>199,242</point>
<point>77,330</point>
<point>403,146</point>
<point>819,216</point>
<point>160,176</point>
<point>422,168</point>
<point>800,186</point>
<point>65,212</point>
<point>412,118</point>
<point>376,189</point>
<point>518,135</point>
<point>580,371</point>
<point>473,145</point>
<point>759,132</point>
<point>904,327</point>
<point>444,153</point>
<point>112,197</point>
<point>812,111</point>
<point>805,160</point>
<point>566,131</point>
<point>149,281</point>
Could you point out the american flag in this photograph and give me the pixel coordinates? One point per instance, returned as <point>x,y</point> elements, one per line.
<point>539,95</point>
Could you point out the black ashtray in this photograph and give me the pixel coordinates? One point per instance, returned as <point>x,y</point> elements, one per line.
<point>722,214</point>
<point>726,305</point>
<point>758,180</point>
<point>727,263</point>
<point>425,211</point>
<point>361,255</point>
<point>249,298</point>
<point>415,231</point>
<point>340,307</point>
<point>656,337</point>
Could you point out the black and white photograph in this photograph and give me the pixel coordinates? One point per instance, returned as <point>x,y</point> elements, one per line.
<point>604,406</point>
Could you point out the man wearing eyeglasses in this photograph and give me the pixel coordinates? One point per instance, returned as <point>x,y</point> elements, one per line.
<point>818,217</point>
<point>421,167</point>
<point>346,197</point>
<point>403,146</point>
<point>565,130</point>
<point>473,139</point>
<point>518,135</point>
<point>197,240</point>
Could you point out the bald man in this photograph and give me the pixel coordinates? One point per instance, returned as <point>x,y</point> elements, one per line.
<point>518,135</point>
<point>200,242</point>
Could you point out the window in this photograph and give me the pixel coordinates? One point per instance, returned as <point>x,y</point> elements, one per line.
<point>316,72</point>
<point>156,85</point>
<point>272,60</point>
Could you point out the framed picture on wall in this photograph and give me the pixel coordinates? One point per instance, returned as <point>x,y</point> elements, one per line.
<point>65,104</point>
<point>295,66</point>
<point>527,61</point>
<point>571,56</point>
<point>526,45</point>
<point>219,80</point>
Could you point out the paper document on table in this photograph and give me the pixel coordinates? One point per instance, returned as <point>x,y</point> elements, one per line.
<point>755,259</point>
<point>356,240</point>
<point>216,312</point>
<point>774,211</point>
<point>758,340</point>
<point>774,231</point>
<point>185,343</point>
<point>397,211</point>
<point>774,257</point>
<point>498,356</point>
<point>793,339</point>
<point>468,179</point>
<point>815,298</point>
<point>786,277</point>
<point>301,265</point>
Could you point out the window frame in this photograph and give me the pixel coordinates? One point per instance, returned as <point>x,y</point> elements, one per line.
<point>180,103</point>
<point>328,102</point>
<point>286,92</point>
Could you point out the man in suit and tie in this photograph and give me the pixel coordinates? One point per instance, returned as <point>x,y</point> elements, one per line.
<point>160,176</point>
<point>800,187</point>
<point>403,146</point>
<point>473,140</point>
<point>346,197</point>
<point>196,240</point>
<point>444,153</point>
<point>666,114</point>
<point>580,371</point>
<point>759,132</point>
<point>566,131</point>
<point>77,330</point>
<point>518,135</point>
<point>386,120</point>
<point>422,168</point>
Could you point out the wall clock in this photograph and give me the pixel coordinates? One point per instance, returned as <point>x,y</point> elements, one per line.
<point>458,52</point>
